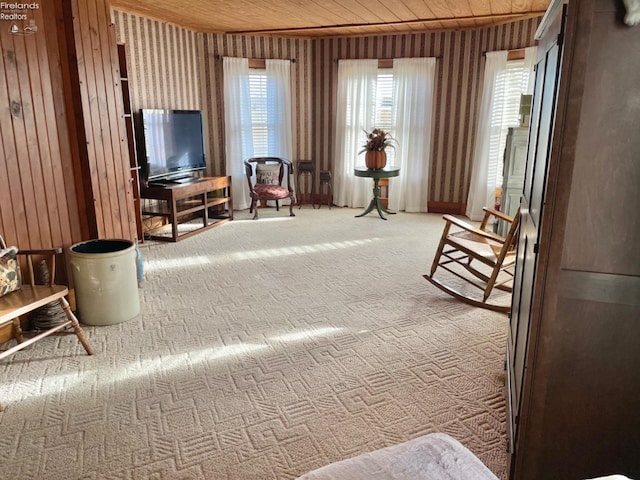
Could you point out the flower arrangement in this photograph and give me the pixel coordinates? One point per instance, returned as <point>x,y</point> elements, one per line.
<point>377,141</point>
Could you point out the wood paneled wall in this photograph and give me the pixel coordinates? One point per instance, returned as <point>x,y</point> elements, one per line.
<point>101,116</point>
<point>65,174</point>
<point>459,71</point>
<point>39,207</point>
<point>63,168</point>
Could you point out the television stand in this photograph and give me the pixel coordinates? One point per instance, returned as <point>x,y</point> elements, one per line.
<point>173,181</point>
<point>185,180</point>
<point>207,198</point>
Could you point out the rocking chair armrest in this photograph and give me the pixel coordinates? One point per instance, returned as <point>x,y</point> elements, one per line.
<point>498,214</point>
<point>470,228</point>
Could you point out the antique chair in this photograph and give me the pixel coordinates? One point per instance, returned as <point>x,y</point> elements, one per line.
<point>305,181</point>
<point>18,298</point>
<point>269,173</point>
<point>473,254</point>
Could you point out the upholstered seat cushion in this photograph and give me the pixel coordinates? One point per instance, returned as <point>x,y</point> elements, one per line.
<point>271,191</point>
<point>436,456</point>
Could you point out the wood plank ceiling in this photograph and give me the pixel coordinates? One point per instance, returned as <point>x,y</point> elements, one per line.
<point>331,18</point>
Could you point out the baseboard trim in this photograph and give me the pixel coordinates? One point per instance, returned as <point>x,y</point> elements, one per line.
<point>453,208</point>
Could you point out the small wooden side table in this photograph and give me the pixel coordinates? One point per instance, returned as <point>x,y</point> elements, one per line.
<point>307,170</point>
<point>325,180</point>
<point>376,173</point>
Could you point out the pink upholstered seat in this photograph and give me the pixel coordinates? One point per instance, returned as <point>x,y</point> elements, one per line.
<point>271,191</point>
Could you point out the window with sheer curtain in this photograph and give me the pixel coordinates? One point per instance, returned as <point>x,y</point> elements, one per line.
<point>383,112</point>
<point>504,83</point>
<point>398,100</point>
<point>257,117</point>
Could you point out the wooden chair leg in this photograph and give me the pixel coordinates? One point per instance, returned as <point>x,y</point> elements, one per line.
<point>76,325</point>
<point>438,254</point>
<point>490,283</point>
<point>291,214</point>
<point>17,330</point>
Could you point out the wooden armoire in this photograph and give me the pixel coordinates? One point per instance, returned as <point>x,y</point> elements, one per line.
<point>573,360</point>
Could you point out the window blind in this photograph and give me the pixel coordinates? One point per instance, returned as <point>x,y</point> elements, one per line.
<point>505,112</point>
<point>259,123</point>
<point>384,110</point>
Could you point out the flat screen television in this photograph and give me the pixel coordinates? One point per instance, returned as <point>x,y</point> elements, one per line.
<point>173,143</point>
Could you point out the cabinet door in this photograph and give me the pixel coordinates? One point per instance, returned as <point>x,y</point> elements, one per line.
<point>540,140</point>
<point>513,176</point>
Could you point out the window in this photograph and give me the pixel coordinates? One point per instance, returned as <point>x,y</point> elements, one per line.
<point>510,85</point>
<point>504,83</point>
<point>384,111</point>
<point>398,100</point>
<point>259,118</point>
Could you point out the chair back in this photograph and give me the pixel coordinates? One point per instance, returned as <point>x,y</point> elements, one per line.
<point>511,240</point>
<point>268,171</point>
<point>30,267</point>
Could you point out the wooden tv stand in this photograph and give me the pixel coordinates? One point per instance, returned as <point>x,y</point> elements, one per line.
<point>207,197</point>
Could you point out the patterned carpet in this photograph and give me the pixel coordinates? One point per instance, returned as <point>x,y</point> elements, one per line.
<point>265,349</point>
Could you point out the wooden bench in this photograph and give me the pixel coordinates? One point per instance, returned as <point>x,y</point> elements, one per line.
<point>31,296</point>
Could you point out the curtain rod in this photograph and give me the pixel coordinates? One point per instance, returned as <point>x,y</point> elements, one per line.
<point>515,54</point>
<point>336,60</point>
<point>292,60</point>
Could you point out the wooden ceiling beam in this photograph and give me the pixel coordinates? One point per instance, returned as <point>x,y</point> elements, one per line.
<point>494,18</point>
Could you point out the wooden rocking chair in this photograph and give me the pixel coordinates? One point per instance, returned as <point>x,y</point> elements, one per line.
<point>462,248</point>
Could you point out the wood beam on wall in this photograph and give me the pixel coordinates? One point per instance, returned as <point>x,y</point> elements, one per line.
<point>101,116</point>
<point>370,28</point>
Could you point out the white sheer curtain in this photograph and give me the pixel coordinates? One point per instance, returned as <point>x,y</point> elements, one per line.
<point>503,84</point>
<point>355,113</point>
<point>238,130</point>
<point>238,125</point>
<point>280,139</point>
<point>413,105</point>
<point>483,185</point>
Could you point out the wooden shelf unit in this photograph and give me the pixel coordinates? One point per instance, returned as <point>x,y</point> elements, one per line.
<point>208,198</point>
<point>134,168</point>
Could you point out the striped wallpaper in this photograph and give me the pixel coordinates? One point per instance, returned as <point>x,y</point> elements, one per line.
<point>459,71</point>
<point>163,63</point>
<point>218,46</point>
<point>172,67</point>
